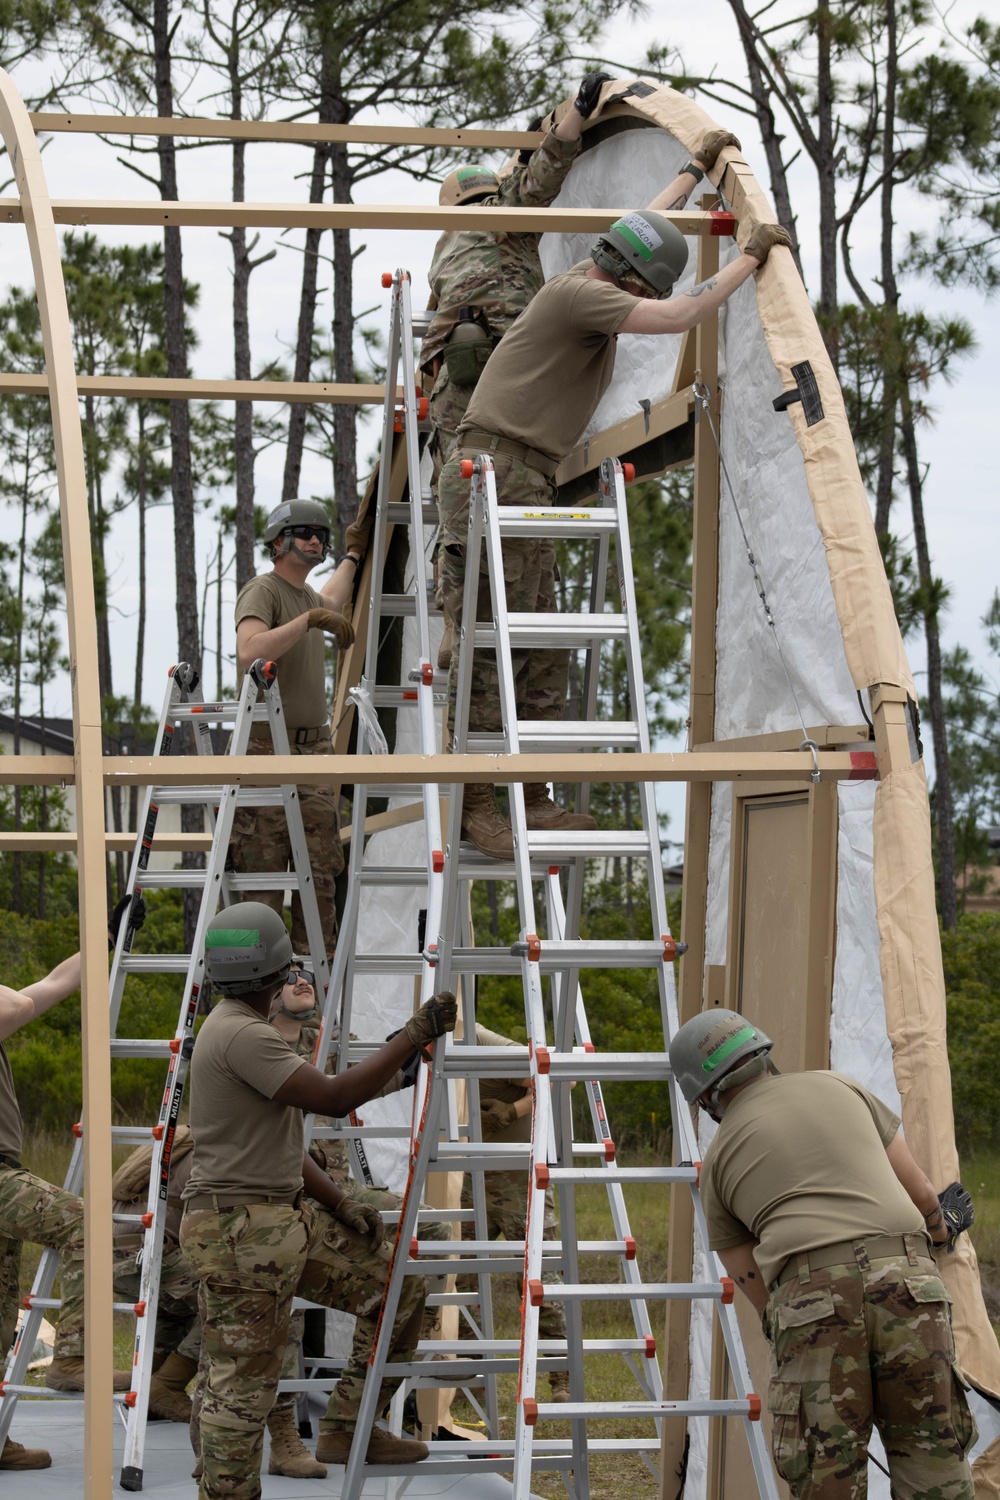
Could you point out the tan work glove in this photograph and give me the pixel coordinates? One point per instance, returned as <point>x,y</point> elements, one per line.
<point>363,1219</point>
<point>763,240</point>
<point>358,534</point>
<point>498,1116</point>
<point>715,141</point>
<point>337,625</point>
<point>436,1016</point>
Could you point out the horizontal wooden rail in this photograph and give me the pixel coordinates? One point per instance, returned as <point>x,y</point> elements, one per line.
<point>138,388</point>
<point>296,132</point>
<point>156,213</point>
<point>439,770</point>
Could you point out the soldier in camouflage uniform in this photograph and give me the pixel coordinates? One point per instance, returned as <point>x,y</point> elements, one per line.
<point>252,1238</point>
<point>280,618</point>
<point>820,1214</point>
<point>537,393</point>
<point>505,1115</point>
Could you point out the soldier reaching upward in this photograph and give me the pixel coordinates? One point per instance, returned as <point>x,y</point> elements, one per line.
<point>251,1239</point>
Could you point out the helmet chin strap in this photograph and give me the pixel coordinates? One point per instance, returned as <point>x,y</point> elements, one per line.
<point>752,1068</point>
<point>289,545</point>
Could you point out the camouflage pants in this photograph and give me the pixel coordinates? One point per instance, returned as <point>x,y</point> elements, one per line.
<point>863,1344</point>
<point>33,1209</point>
<point>446,407</point>
<point>177,1328</point>
<point>10,1292</point>
<point>260,842</point>
<point>250,1262</point>
<point>506,1205</point>
<point>540,676</point>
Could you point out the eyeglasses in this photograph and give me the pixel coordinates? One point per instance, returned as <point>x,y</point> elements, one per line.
<point>305,532</point>
<point>294,975</point>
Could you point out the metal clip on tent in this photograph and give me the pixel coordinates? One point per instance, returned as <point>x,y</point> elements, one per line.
<point>183,704</point>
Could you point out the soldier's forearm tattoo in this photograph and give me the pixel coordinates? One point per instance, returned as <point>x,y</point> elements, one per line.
<point>703,286</point>
<point>678,202</point>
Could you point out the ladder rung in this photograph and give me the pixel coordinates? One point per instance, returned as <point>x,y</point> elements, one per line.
<point>556,1349</point>
<point>621,1174</point>
<point>557,632</point>
<point>537,735</point>
<point>393,697</point>
<point>561,522</point>
<point>646,1066</point>
<point>427,1249</point>
<point>395,605</point>
<point>155,963</point>
<point>247,796</point>
<point>139,1047</point>
<point>398,512</point>
<point>393,875</point>
<point>226,709</point>
<point>565,1410</point>
<point>264,880</point>
<point>642,1291</point>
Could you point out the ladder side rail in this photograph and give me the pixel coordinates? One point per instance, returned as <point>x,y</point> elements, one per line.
<point>377,543</point>
<point>425,1136</point>
<point>410,438</point>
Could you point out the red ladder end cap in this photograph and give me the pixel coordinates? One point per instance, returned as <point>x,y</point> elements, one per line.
<point>754,1412</point>
<point>427,674</point>
<point>157,1132</point>
<point>697,1170</point>
<point>728,1289</point>
<point>530,1407</point>
<point>466,467</point>
<point>397,423</point>
<point>543,1059</point>
<point>175,1045</point>
<point>669,948</point>
<point>27,1302</point>
<point>628,472</point>
<point>542,1176</point>
<point>554,869</point>
<point>139,1309</point>
<point>414,1248</point>
<point>78,1130</point>
<point>437,861</point>
<point>387,278</point>
<point>131,1397</point>
<point>722,223</point>
<point>423,407</point>
<point>147,1221</point>
<point>609,1150</point>
<point>650,1352</point>
<point>630,1248</point>
<point>534,947</point>
<point>536,1293</point>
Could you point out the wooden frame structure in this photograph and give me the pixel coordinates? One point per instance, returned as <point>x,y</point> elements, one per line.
<point>764,762</point>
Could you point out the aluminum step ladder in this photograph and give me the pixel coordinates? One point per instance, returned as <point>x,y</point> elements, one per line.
<point>553,1158</point>
<point>183,705</point>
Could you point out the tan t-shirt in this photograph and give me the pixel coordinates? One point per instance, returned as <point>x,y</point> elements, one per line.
<point>798,1163</point>
<point>243,1141</point>
<point>504,1091</point>
<point>302,668</point>
<point>542,384</point>
<point>10,1114</point>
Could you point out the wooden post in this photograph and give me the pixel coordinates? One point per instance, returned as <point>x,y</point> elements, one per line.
<point>88,774</point>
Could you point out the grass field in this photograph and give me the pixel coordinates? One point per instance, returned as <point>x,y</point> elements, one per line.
<point>607,1376</point>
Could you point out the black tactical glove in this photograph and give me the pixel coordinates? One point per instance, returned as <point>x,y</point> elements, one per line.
<point>590,92</point>
<point>436,1016</point>
<point>763,240</point>
<point>118,916</point>
<point>957,1212</point>
<point>363,1219</point>
<point>332,621</point>
<point>408,1072</point>
<point>715,141</point>
<point>497,1116</point>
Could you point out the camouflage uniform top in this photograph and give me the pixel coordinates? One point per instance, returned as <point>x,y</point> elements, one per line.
<point>10,1113</point>
<point>499,272</point>
<point>798,1163</point>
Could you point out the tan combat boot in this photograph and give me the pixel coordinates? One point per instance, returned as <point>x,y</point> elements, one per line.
<point>559,1385</point>
<point>67,1375</point>
<point>168,1396</point>
<point>484,825</point>
<point>289,1455</point>
<point>17,1456</point>
<point>542,812</point>
<point>383,1448</point>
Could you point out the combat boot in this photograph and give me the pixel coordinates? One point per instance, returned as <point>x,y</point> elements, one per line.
<point>484,825</point>
<point>168,1396</point>
<point>289,1455</point>
<point>559,1385</point>
<point>383,1448</point>
<point>542,812</point>
<point>17,1456</point>
<point>67,1375</point>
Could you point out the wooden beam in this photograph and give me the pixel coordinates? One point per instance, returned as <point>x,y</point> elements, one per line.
<point>664,416</point>
<point>156,214</point>
<point>134,388</point>
<point>35,210</point>
<point>791,739</point>
<point>296,132</point>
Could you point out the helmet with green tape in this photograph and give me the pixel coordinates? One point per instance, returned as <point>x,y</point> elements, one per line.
<point>646,245</point>
<point>247,949</point>
<point>716,1052</point>
<point>467,184</point>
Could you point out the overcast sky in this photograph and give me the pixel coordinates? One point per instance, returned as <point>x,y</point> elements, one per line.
<point>960,492</point>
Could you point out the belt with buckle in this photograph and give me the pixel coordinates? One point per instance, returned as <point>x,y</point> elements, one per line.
<point>875,1247</point>
<point>490,442</point>
<point>221,1202</point>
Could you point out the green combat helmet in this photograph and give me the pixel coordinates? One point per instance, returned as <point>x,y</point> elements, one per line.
<point>467,185</point>
<point>716,1052</point>
<point>296,513</point>
<point>645,244</point>
<point>247,948</point>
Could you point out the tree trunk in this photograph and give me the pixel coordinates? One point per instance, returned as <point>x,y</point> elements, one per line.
<point>826,172</point>
<point>345,422</point>
<point>892,358</point>
<point>181,474</point>
<point>943,799</point>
